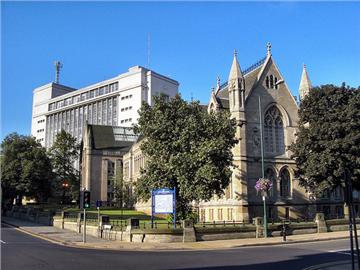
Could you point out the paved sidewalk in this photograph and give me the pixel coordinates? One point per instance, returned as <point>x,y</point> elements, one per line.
<point>74,239</point>
<point>51,233</point>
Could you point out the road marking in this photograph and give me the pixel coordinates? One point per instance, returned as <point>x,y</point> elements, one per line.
<point>2,242</point>
<point>342,251</point>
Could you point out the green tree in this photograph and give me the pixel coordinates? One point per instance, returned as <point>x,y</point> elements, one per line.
<point>25,167</point>
<point>187,148</point>
<point>328,140</point>
<point>63,154</point>
<point>119,185</point>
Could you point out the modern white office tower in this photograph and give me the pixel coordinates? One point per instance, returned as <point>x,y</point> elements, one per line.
<point>113,102</point>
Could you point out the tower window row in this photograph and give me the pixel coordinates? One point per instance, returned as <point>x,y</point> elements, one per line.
<point>84,96</point>
<point>126,108</point>
<point>126,97</point>
<point>102,112</point>
<point>126,120</point>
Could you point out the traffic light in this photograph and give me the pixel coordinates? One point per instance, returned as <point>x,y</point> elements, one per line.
<point>86,199</point>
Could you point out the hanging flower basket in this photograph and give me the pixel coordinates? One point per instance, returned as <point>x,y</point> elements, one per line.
<point>263,185</point>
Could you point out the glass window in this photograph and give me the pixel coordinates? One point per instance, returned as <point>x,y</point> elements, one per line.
<point>99,112</point>
<point>72,122</point>
<point>285,183</point>
<point>114,117</point>
<point>76,122</point>
<point>104,111</point>
<point>109,113</point>
<point>90,116</point>
<point>94,114</point>
<point>274,132</point>
<point>106,89</point>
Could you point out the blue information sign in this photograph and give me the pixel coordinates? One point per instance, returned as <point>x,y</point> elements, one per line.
<point>98,203</point>
<point>163,201</point>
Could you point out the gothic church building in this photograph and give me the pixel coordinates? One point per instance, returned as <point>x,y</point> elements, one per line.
<point>259,99</point>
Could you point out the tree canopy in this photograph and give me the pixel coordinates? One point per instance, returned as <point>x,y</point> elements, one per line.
<point>25,167</point>
<point>63,154</point>
<point>328,140</point>
<point>185,147</point>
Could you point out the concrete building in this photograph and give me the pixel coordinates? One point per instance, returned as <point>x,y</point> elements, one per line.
<point>102,160</point>
<point>113,102</point>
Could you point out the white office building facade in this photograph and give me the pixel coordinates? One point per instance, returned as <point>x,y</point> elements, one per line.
<point>113,102</point>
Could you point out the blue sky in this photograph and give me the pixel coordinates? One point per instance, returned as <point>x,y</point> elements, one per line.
<point>190,42</point>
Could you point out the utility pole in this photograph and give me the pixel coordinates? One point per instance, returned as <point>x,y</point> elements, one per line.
<point>58,66</point>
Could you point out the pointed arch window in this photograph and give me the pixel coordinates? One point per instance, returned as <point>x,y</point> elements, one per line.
<point>285,184</point>
<point>274,132</point>
<point>271,81</point>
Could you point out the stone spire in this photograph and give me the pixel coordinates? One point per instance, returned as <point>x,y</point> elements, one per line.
<point>235,71</point>
<point>236,87</point>
<point>268,47</point>
<point>305,83</point>
<point>217,85</point>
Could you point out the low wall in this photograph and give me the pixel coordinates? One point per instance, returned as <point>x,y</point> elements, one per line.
<point>197,233</point>
<point>224,233</point>
<point>157,235</point>
<point>293,228</point>
<point>335,225</point>
<point>90,229</point>
<point>31,214</point>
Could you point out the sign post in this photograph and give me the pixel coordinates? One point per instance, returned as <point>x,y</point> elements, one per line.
<point>163,201</point>
<point>86,204</point>
<point>84,232</point>
<point>98,205</point>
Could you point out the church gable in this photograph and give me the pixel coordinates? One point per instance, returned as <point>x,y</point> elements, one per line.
<point>272,89</point>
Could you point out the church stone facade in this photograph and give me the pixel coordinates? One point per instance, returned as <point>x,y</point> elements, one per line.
<point>259,92</point>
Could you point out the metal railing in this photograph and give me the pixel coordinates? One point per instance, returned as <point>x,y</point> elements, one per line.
<point>247,70</point>
<point>224,223</point>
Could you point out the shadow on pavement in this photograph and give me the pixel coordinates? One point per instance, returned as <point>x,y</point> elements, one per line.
<point>298,263</point>
<point>20,223</point>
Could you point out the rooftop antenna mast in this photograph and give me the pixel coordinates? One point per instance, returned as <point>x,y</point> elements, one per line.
<point>148,50</point>
<point>58,66</point>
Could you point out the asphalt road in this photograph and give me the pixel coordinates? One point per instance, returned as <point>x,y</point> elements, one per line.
<point>20,251</point>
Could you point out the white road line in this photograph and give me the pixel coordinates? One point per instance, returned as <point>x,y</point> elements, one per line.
<point>341,251</point>
<point>2,242</point>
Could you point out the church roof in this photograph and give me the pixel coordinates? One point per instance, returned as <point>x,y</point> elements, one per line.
<point>250,74</point>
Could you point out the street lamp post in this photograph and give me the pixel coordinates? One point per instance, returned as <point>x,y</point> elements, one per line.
<point>265,217</point>
<point>264,192</point>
